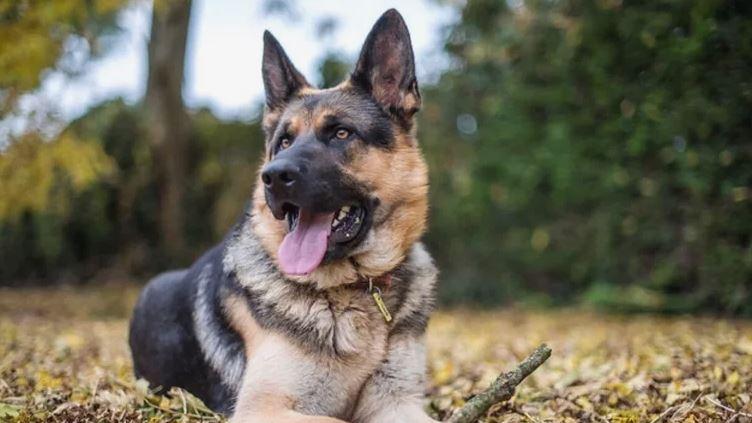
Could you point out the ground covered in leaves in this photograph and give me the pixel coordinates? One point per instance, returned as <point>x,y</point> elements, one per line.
<point>64,357</point>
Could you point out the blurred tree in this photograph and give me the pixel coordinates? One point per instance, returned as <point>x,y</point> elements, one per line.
<point>99,206</point>
<point>597,148</point>
<point>167,120</point>
<point>287,9</point>
<point>93,197</point>
<point>333,69</point>
<point>66,164</point>
<point>334,66</point>
<point>594,150</point>
<point>37,36</point>
<point>40,178</point>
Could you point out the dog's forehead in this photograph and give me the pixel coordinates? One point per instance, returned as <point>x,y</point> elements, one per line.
<point>314,105</point>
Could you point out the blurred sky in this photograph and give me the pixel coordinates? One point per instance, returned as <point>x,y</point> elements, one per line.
<point>223,64</point>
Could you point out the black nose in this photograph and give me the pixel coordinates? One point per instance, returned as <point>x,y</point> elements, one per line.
<point>280,175</point>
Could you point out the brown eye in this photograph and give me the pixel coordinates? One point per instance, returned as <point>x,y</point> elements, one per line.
<point>284,143</point>
<point>342,134</point>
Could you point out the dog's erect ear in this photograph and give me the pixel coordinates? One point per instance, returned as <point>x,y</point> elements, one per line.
<point>281,79</point>
<point>386,67</point>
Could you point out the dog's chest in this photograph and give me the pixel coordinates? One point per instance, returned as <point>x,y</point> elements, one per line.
<point>349,324</point>
<point>340,322</point>
<point>319,347</point>
<point>357,345</point>
<point>325,367</point>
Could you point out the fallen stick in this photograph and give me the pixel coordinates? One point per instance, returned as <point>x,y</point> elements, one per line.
<point>501,389</point>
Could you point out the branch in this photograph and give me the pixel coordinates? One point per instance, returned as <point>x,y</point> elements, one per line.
<point>501,389</point>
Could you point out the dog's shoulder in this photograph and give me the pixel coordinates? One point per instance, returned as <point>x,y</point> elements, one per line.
<point>222,347</point>
<point>416,286</point>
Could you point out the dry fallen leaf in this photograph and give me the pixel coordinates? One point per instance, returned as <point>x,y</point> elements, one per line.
<point>61,353</point>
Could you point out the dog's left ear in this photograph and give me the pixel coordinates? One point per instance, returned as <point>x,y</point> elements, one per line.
<point>386,67</point>
<point>281,79</point>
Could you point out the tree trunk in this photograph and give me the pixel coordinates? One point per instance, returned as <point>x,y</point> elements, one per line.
<point>168,121</point>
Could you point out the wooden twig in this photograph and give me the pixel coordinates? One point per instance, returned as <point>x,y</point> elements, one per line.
<point>729,409</point>
<point>665,413</point>
<point>501,389</point>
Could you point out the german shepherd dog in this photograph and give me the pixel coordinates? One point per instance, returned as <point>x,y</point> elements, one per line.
<point>314,307</point>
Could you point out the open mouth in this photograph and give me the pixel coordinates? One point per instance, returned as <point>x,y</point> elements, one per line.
<point>345,225</point>
<point>314,237</point>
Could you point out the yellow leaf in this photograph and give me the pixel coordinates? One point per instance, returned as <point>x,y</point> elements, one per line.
<point>733,378</point>
<point>584,403</point>
<point>718,373</point>
<point>47,381</point>
<point>443,373</point>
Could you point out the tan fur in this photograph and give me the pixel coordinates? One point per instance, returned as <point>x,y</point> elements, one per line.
<point>399,179</point>
<point>270,119</point>
<point>274,409</point>
<point>298,123</point>
<point>397,397</point>
<point>281,376</point>
<point>276,370</point>
<point>410,102</point>
<point>242,321</point>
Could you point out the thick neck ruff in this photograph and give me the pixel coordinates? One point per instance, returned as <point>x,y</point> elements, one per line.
<point>336,320</point>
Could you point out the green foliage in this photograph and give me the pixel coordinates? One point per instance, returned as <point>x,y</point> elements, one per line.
<point>593,151</point>
<point>84,206</point>
<point>333,69</point>
<point>57,169</point>
<point>39,185</point>
<point>596,148</point>
<point>58,34</point>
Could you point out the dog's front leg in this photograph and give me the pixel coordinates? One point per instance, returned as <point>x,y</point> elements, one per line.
<point>269,405</point>
<point>394,393</point>
<point>274,383</point>
<point>273,410</point>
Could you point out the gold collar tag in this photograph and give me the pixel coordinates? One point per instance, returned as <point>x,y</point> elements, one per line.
<point>376,294</point>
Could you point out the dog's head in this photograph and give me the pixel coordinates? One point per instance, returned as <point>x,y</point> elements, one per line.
<point>343,188</point>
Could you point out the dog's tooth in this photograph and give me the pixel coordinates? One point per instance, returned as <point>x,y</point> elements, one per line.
<point>342,214</point>
<point>346,209</point>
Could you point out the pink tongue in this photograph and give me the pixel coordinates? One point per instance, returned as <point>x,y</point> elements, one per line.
<point>303,249</point>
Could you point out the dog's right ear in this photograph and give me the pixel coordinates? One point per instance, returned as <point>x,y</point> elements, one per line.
<point>386,67</point>
<point>281,79</point>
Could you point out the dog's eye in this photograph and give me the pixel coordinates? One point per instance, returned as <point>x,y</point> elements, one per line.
<point>342,134</point>
<point>284,143</point>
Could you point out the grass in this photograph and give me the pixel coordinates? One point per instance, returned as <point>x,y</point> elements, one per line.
<point>64,357</point>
